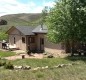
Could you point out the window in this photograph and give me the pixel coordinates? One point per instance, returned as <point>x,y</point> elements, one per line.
<point>32,39</point>
<point>14,40</point>
<point>23,39</point>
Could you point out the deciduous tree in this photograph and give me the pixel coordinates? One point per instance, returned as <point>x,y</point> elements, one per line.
<point>67,22</point>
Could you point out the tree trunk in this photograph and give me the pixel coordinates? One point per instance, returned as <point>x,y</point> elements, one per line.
<point>72,47</point>
<point>67,46</point>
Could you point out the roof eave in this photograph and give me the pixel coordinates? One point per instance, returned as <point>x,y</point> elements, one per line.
<point>41,32</point>
<point>7,32</point>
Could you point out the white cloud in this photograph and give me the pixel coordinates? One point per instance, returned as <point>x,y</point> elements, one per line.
<point>13,7</point>
<point>50,4</point>
<point>38,9</point>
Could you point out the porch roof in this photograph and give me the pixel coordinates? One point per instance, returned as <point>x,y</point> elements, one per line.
<point>40,29</point>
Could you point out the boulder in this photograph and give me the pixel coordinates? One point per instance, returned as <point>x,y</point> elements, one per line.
<point>17,67</point>
<point>27,67</point>
<point>37,68</point>
<point>50,56</point>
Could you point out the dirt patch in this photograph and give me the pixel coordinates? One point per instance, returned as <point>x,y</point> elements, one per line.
<point>37,56</point>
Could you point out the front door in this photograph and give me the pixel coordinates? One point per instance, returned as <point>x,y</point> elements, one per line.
<point>42,44</point>
<point>29,43</point>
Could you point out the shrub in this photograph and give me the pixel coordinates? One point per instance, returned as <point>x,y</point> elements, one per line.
<point>2,62</point>
<point>9,65</point>
<point>3,22</point>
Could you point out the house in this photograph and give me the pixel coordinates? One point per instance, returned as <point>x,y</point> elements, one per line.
<point>32,39</point>
<point>27,38</point>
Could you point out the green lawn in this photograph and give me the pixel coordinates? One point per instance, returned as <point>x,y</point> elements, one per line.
<point>40,62</point>
<point>6,53</point>
<point>74,72</point>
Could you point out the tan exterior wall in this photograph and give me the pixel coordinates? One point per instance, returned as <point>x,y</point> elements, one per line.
<point>22,45</point>
<point>53,48</point>
<point>18,39</point>
<point>38,41</point>
<point>15,31</point>
<point>32,46</point>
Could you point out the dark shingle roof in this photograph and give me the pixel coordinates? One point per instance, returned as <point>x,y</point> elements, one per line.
<point>40,29</point>
<point>26,30</point>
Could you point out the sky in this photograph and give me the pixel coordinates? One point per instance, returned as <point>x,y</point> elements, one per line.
<point>23,6</point>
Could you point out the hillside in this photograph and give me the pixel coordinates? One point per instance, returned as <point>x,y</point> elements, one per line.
<point>20,20</point>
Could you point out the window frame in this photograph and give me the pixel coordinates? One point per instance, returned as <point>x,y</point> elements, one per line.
<point>23,40</point>
<point>32,39</point>
<point>14,40</point>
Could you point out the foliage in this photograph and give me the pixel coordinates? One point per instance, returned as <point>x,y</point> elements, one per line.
<point>9,65</point>
<point>78,15</point>
<point>3,22</point>
<point>3,36</point>
<point>44,14</point>
<point>2,62</point>
<point>67,20</point>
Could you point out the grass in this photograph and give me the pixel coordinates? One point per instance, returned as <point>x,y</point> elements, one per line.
<point>74,72</point>
<point>6,53</point>
<point>40,62</point>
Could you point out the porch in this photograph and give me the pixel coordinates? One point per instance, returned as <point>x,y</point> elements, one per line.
<point>35,43</point>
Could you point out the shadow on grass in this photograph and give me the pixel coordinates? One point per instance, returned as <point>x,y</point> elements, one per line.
<point>76,58</point>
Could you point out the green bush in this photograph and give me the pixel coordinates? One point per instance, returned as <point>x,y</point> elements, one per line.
<point>9,65</point>
<point>2,62</point>
<point>3,35</point>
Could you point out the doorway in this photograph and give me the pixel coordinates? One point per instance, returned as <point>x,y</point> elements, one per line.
<point>42,44</point>
<point>31,43</point>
